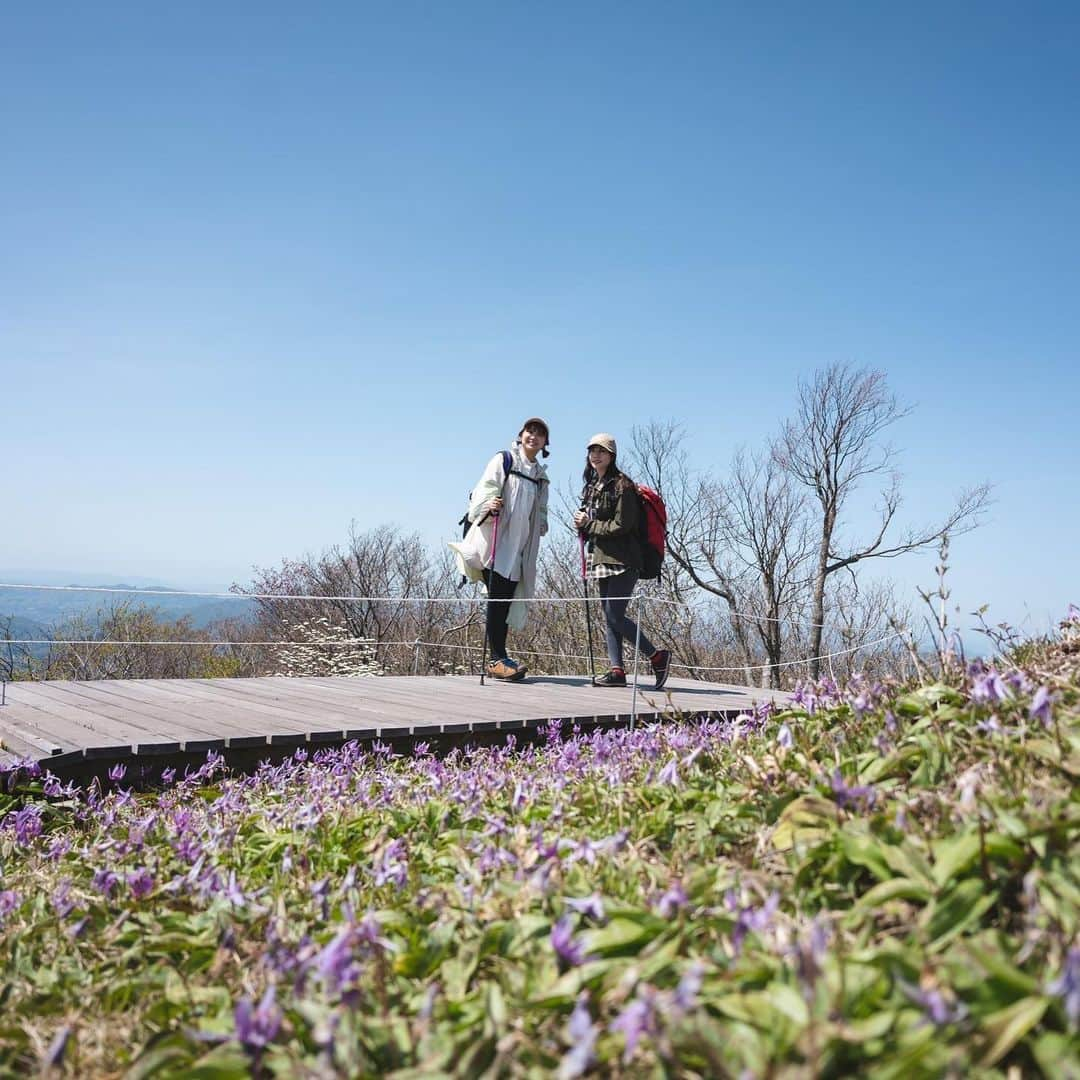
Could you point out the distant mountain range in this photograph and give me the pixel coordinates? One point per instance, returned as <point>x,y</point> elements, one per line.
<point>36,612</point>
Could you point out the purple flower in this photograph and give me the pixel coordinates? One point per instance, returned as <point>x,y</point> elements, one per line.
<point>784,739</point>
<point>989,689</point>
<point>686,993</point>
<point>339,961</point>
<point>669,774</point>
<point>636,1020</point>
<point>257,1026</point>
<point>54,1056</point>
<point>141,882</point>
<point>1041,706</point>
<point>570,951</point>
<point>116,773</point>
<point>335,962</point>
<point>1067,986</point>
<point>104,881</point>
<point>581,1034</point>
<point>593,906</point>
<point>860,796</point>
<point>754,919</point>
<point>393,867</point>
<point>672,902</point>
<point>233,893</point>
<point>27,824</point>
<point>937,1008</point>
<point>59,847</point>
<point>168,775</point>
<point>10,900</point>
<point>809,953</point>
<point>61,899</point>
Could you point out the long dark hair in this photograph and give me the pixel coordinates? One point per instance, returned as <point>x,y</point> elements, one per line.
<point>589,477</point>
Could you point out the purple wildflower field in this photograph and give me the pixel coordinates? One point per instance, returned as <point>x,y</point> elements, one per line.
<point>880,880</point>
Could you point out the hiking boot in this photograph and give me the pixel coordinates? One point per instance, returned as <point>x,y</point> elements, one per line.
<point>506,669</point>
<point>614,677</point>
<point>661,665</point>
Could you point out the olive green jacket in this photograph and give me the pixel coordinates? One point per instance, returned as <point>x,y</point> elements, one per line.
<point>612,530</point>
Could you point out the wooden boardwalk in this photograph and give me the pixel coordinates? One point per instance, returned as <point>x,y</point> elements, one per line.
<point>66,726</point>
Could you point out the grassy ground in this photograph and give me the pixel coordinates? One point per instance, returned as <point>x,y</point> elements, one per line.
<point>881,881</point>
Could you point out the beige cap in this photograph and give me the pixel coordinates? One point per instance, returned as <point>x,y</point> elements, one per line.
<point>604,441</point>
<point>539,423</point>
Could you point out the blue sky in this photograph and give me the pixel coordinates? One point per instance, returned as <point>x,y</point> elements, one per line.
<point>267,272</point>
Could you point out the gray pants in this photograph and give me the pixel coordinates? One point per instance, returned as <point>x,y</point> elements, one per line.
<point>615,593</point>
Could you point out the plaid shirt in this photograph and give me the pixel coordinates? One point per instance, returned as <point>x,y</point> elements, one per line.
<point>597,571</point>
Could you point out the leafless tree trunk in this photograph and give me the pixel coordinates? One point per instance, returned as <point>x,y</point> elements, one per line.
<point>833,443</point>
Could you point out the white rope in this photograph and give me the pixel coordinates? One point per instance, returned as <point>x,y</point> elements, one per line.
<point>442,645</point>
<point>652,599</point>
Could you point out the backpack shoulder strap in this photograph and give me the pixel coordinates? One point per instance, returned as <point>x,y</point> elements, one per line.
<point>509,470</point>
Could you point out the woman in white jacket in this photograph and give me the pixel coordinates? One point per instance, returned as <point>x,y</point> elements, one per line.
<point>518,497</point>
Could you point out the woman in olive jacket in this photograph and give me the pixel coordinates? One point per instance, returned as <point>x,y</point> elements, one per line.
<point>609,518</point>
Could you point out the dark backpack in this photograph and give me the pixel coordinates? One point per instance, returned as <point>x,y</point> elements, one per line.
<point>652,531</point>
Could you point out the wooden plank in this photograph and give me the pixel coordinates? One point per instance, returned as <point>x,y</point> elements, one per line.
<point>141,738</point>
<point>269,719</point>
<point>117,717</point>
<point>68,727</point>
<point>89,709</point>
<point>224,717</point>
<point>404,707</point>
<point>304,703</point>
<point>173,707</point>
<point>24,743</point>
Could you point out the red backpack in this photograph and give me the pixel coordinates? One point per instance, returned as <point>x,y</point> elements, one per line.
<point>652,531</point>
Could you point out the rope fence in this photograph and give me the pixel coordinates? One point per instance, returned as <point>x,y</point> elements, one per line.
<point>417,643</point>
<point>639,600</point>
<point>348,598</point>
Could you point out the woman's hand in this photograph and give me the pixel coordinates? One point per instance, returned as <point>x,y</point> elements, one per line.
<point>494,505</point>
<point>581,519</point>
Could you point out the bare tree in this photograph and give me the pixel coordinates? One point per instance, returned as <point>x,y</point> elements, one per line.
<point>834,443</point>
<point>742,540</point>
<point>377,589</point>
<point>132,641</point>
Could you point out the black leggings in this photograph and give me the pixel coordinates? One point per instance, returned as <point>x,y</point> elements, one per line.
<point>500,590</point>
<point>615,593</point>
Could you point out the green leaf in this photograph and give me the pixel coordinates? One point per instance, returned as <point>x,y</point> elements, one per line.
<point>895,889</point>
<point>864,850</point>
<point>163,1053</point>
<point>623,934</point>
<point>1056,1056</point>
<point>805,820</point>
<point>954,855</point>
<point>957,909</point>
<point>907,861</point>
<point>1005,1028</point>
<point>926,697</point>
<point>999,969</point>
<point>225,1062</point>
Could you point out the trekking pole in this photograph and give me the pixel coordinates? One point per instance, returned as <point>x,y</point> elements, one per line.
<point>588,617</point>
<point>487,607</point>
<point>637,650</point>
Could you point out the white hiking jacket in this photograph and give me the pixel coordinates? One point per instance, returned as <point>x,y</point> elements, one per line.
<point>524,519</point>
